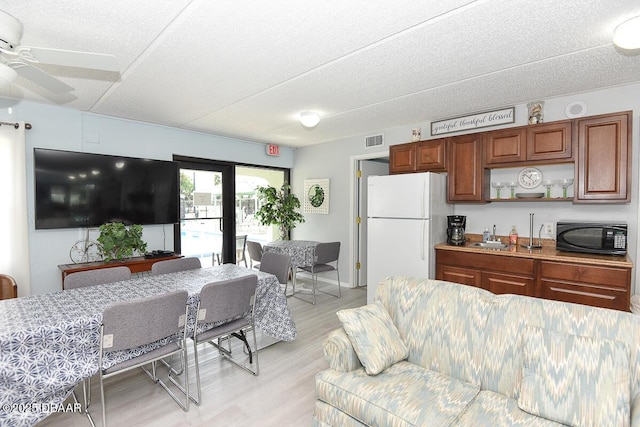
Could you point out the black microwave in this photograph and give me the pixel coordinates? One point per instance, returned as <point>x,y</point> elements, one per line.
<point>605,238</point>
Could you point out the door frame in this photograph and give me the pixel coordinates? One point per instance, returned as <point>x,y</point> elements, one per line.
<point>356,187</point>
<point>228,171</point>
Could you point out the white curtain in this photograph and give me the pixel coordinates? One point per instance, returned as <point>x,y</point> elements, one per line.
<point>14,255</point>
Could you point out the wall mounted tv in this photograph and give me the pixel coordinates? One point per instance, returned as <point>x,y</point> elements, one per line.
<point>87,190</point>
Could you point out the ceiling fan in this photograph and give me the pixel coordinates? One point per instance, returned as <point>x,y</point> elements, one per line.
<point>22,60</point>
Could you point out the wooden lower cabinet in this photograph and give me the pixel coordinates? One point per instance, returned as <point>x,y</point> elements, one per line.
<point>465,276</point>
<point>595,285</point>
<point>501,283</point>
<point>599,286</point>
<point>498,274</point>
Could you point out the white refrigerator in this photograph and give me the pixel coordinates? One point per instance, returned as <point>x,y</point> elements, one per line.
<point>406,217</point>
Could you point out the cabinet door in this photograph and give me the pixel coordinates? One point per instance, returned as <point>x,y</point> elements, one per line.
<point>508,284</point>
<point>467,180</point>
<point>431,156</point>
<point>549,141</point>
<point>465,276</point>
<point>608,287</point>
<point>603,164</point>
<point>402,158</point>
<point>505,146</point>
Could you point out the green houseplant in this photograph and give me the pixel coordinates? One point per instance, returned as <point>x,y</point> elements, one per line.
<point>278,207</point>
<point>118,241</point>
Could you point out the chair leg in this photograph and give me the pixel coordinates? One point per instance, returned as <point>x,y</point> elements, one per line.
<point>339,294</point>
<point>314,279</point>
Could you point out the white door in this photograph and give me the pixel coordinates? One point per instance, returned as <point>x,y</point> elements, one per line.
<point>367,168</point>
<point>396,247</point>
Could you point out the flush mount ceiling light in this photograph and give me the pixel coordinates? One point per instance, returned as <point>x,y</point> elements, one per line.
<point>309,119</point>
<point>627,34</point>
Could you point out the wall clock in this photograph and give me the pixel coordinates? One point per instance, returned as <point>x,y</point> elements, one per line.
<point>529,178</point>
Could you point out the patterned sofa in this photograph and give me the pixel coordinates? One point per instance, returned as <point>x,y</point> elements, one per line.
<point>472,358</point>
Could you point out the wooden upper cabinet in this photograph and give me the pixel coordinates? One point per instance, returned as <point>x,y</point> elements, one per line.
<point>549,141</point>
<point>603,163</point>
<point>468,181</point>
<point>402,158</point>
<point>431,155</point>
<point>506,146</point>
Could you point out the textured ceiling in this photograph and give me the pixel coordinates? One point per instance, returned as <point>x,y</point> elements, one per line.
<point>245,69</point>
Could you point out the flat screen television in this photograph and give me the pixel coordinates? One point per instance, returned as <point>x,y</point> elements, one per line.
<point>74,190</point>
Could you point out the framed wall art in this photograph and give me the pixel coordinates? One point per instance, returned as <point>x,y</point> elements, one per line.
<point>316,196</point>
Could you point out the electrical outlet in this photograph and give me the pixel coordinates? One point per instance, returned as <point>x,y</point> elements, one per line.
<point>548,230</point>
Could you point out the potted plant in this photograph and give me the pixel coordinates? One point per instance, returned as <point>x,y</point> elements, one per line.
<point>278,207</point>
<point>118,241</point>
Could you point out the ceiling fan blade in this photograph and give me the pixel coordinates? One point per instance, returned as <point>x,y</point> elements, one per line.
<point>71,58</point>
<point>41,78</point>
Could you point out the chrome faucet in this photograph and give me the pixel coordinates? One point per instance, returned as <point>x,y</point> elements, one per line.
<point>493,237</point>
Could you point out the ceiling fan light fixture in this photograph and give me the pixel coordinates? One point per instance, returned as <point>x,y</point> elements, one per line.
<point>309,119</point>
<point>627,34</point>
<point>7,76</point>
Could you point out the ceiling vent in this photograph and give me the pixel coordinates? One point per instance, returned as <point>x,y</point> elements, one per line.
<point>374,141</point>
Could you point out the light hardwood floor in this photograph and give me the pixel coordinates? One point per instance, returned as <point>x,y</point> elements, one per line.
<point>282,395</point>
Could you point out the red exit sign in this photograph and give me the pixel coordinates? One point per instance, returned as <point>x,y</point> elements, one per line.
<point>273,150</point>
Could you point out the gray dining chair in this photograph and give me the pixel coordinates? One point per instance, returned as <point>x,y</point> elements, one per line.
<point>277,264</point>
<point>174,265</point>
<point>326,260</point>
<point>133,324</point>
<point>229,305</point>
<point>99,276</point>
<point>255,253</point>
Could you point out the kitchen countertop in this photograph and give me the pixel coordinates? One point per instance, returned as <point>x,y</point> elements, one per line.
<point>548,252</point>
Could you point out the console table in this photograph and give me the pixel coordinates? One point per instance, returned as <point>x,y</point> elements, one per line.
<point>135,264</point>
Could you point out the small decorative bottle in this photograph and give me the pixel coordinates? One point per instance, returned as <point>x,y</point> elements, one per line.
<point>486,236</point>
<point>513,236</point>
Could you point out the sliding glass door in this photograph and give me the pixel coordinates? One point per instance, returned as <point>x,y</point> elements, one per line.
<point>217,209</point>
<point>207,224</point>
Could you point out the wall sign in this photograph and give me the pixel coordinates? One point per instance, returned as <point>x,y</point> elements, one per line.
<point>474,121</point>
<point>273,150</point>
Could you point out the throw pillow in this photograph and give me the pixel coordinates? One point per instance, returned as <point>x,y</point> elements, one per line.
<point>573,380</point>
<point>374,337</point>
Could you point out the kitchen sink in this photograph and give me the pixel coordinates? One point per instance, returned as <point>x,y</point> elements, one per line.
<point>489,245</point>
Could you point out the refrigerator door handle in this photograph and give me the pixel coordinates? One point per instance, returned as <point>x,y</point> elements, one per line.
<point>424,189</point>
<point>422,254</point>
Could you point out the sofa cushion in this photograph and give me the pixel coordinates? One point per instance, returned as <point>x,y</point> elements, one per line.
<point>574,380</point>
<point>441,323</point>
<point>402,395</point>
<point>374,337</point>
<point>491,409</point>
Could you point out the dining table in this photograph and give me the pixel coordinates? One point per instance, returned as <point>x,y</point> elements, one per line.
<point>49,343</point>
<point>301,252</point>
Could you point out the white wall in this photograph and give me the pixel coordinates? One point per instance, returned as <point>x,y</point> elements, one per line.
<point>332,160</point>
<point>67,129</point>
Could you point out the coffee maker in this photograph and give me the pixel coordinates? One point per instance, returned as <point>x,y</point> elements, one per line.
<point>455,229</point>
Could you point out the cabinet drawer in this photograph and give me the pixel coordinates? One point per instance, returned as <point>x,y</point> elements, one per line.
<point>464,276</point>
<point>590,274</point>
<point>485,262</point>
<point>583,293</point>
<point>508,284</point>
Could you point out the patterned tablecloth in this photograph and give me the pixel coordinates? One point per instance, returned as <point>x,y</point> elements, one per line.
<point>50,342</point>
<point>302,252</point>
